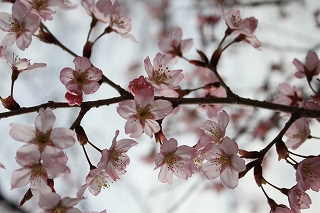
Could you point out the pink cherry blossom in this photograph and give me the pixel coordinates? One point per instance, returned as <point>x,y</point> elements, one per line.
<point>19,64</point>
<point>51,202</point>
<point>310,68</point>
<point>235,23</point>
<point>142,113</point>
<point>298,199</point>
<point>138,84</point>
<point>108,12</point>
<point>175,160</point>
<point>216,130</point>
<point>43,137</point>
<point>244,27</point>
<point>84,78</point>
<point>115,160</point>
<point>159,74</point>
<point>42,8</point>
<point>174,45</point>
<point>37,172</point>
<point>95,181</point>
<point>20,25</point>
<point>308,174</point>
<point>298,133</point>
<point>290,96</point>
<point>223,161</point>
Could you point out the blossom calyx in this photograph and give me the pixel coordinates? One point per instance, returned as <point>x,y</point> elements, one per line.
<point>9,103</point>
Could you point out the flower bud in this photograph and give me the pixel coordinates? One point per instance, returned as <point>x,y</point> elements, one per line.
<point>282,150</point>
<point>81,135</point>
<point>258,175</point>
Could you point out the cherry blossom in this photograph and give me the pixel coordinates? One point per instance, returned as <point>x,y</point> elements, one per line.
<point>308,174</point>
<point>290,96</point>
<point>51,202</point>
<point>84,78</point>
<point>298,133</point>
<point>142,113</point>
<point>53,165</point>
<point>310,68</point>
<point>43,137</point>
<point>244,27</point>
<point>235,23</point>
<point>108,12</point>
<point>138,84</point>
<point>20,25</point>
<point>223,161</point>
<point>19,64</point>
<point>174,160</point>
<point>95,181</point>
<point>216,131</point>
<point>174,45</point>
<point>298,199</point>
<point>115,160</point>
<point>159,74</point>
<point>42,8</point>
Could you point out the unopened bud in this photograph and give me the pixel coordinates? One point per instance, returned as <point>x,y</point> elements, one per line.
<point>81,135</point>
<point>282,150</point>
<point>258,175</point>
<point>87,49</point>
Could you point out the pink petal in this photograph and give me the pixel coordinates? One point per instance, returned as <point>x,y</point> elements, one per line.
<point>20,177</point>
<point>229,178</point>
<point>45,120</point>
<point>62,137</point>
<point>81,63</point>
<point>22,133</point>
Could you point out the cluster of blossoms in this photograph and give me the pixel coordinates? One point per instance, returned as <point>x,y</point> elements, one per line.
<point>107,12</point>
<point>113,163</point>
<point>214,155</point>
<point>42,159</point>
<point>25,20</point>
<point>307,170</point>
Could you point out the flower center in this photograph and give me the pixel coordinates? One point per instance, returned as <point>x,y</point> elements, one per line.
<point>39,4</point>
<point>42,139</point>
<point>59,209</point>
<point>161,74</point>
<point>16,27</point>
<point>144,113</point>
<point>37,171</point>
<point>310,173</point>
<point>80,78</point>
<point>225,161</point>
<point>100,181</point>
<point>236,20</point>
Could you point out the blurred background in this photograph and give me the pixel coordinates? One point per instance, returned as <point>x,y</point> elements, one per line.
<point>288,29</point>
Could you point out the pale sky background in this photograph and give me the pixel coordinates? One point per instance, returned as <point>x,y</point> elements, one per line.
<point>139,190</point>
